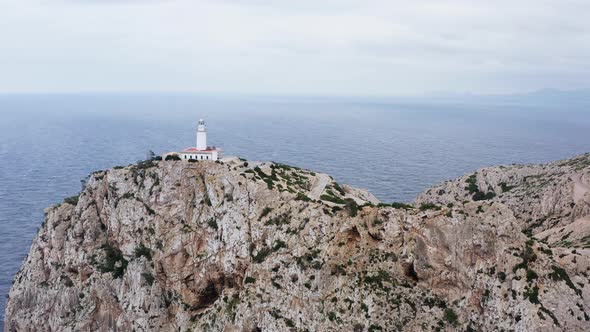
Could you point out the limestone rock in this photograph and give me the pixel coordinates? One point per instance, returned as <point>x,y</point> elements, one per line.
<point>245,246</point>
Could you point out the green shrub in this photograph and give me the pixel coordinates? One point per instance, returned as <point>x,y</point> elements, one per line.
<point>260,173</point>
<point>149,278</point>
<point>481,196</point>
<point>172,157</point>
<point>146,164</point>
<point>505,187</point>
<point>429,206</point>
<point>114,261</point>
<point>377,222</point>
<point>451,317</point>
<point>338,188</point>
<point>127,195</point>
<point>528,255</point>
<point>265,212</point>
<point>532,294</point>
<point>472,187</point>
<point>531,275</point>
<point>282,219</point>
<point>261,255</point>
<point>278,245</point>
<point>478,195</point>
<point>351,207</point>
<point>249,280</point>
<point>379,278</point>
<point>332,199</point>
<point>550,314</point>
<point>560,274</point>
<point>309,259</point>
<point>302,197</point>
<point>67,281</point>
<point>399,205</point>
<point>332,316</point>
<point>142,250</point>
<point>374,328</point>
<point>72,200</point>
<point>212,223</point>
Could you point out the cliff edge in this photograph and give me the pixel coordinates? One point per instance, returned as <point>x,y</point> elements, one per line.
<point>238,246</point>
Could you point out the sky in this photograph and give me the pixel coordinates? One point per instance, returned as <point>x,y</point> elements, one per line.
<point>303,47</point>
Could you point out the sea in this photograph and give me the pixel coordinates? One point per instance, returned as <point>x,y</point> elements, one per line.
<point>396,148</point>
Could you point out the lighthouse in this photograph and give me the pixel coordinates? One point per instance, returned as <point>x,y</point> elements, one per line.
<point>201,136</point>
<point>201,151</point>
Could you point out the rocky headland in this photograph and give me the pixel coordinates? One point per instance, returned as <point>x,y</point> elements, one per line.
<point>238,246</point>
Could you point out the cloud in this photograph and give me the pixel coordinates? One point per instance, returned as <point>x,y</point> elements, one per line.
<point>285,47</point>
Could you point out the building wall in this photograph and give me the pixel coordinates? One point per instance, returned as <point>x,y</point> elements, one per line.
<point>199,156</point>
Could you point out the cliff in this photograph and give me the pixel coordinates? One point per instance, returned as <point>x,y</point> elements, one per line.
<point>232,246</point>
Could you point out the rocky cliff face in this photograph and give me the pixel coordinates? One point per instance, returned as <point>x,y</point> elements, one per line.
<point>176,246</point>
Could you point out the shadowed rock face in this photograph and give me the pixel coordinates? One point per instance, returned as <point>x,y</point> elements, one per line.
<point>227,246</point>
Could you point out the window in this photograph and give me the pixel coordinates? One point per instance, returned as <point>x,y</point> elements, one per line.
<point>184,156</point>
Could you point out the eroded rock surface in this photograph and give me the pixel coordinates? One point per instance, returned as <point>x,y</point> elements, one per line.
<point>177,246</point>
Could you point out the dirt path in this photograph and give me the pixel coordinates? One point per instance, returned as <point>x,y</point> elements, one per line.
<point>319,185</point>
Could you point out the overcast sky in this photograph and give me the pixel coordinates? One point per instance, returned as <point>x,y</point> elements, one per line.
<point>331,47</point>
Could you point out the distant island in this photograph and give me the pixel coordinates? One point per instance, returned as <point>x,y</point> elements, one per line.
<point>236,245</point>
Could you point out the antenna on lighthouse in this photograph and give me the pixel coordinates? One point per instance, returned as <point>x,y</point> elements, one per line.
<point>201,135</point>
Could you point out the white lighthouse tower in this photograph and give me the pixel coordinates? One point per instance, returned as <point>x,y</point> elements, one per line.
<point>201,151</point>
<point>201,136</point>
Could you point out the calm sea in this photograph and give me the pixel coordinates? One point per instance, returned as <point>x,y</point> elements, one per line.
<point>396,150</point>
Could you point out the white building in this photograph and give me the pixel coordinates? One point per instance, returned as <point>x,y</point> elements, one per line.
<point>201,151</point>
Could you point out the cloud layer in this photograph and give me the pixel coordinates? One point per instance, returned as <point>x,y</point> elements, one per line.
<point>294,47</point>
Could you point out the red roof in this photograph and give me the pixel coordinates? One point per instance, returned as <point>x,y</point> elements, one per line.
<point>194,150</point>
